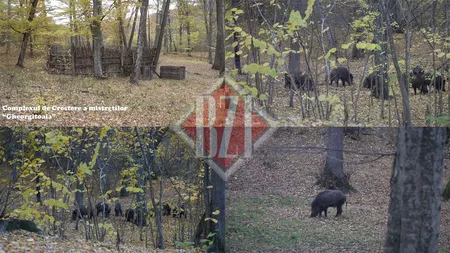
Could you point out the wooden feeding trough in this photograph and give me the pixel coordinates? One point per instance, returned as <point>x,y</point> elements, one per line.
<point>173,72</point>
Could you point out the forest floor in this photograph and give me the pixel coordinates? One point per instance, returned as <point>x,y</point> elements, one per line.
<point>151,103</point>
<point>269,197</point>
<point>19,242</point>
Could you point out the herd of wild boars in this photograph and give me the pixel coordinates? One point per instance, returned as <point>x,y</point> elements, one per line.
<point>326,199</point>
<point>425,81</point>
<point>419,80</point>
<point>136,216</point>
<point>99,208</point>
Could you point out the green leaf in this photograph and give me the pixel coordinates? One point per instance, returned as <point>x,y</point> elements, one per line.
<point>440,55</point>
<point>346,46</point>
<point>341,60</point>
<point>361,45</point>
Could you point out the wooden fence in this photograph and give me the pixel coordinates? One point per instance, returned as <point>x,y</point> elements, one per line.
<point>79,61</point>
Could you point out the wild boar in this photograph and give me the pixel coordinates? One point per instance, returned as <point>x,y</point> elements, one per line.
<point>417,71</point>
<point>435,81</point>
<point>341,73</point>
<point>419,83</point>
<point>325,199</point>
<point>300,80</point>
<point>118,209</point>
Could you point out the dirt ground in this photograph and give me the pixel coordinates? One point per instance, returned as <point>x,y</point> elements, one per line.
<point>269,197</point>
<point>151,103</point>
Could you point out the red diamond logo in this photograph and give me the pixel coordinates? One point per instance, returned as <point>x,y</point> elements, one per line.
<point>223,128</point>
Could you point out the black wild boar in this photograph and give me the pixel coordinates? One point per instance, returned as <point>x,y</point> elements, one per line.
<point>129,215</point>
<point>100,208</point>
<point>288,82</point>
<point>417,71</point>
<point>167,209</point>
<point>83,213</point>
<point>123,192</point>
<point>435,81</point>
<point>118,209</point>
<point>307,83</point>
<point>140,217</point>
<point>419,82</point>
<point>325,199</point>
<point>371,80</point>
<point>341,73</point>
<point>301,81</point>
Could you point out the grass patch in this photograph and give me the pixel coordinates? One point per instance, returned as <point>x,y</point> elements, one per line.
<point>252,224</point>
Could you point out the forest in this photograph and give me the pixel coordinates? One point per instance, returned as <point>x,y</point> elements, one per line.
<point>396,183</point>
<point>355,63</point>
<point>150,56</point>
<point>106,190</point>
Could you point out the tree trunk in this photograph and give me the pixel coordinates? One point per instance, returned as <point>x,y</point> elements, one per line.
<point>381,89</point>
<point>161,32</point>
<point>237,57</point>
<point>188,31</point>
<point>26,35</point>
<point>207,11</point>
<point>145,31</point>
<point>210,32</point>
<point>140,44</point>
<point>156,136</point>
<point>130,41</point>
<point>446,193</point>
<point>8,45</point>
<point>170,33</point>
<point>204,226</point>
<point>393,53</point>
<point>219,58</point>
<point>218,203</point>
<point>180,29</point>
<point>97,38</point>
<point>180,43</point>
<point>79,195</point>
<point>416,188</point>
<point>294,58</point>
<point>121,27</point>
<point>335,154</point>
<point>38,190</point>
<point>333,176</point>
